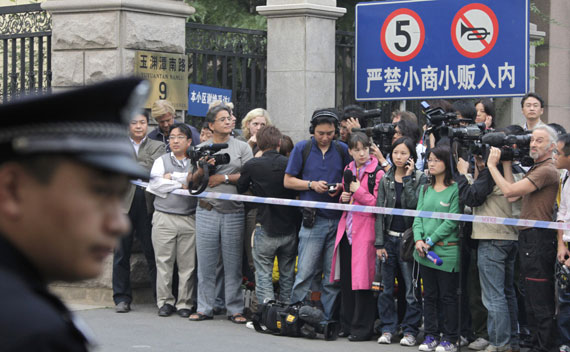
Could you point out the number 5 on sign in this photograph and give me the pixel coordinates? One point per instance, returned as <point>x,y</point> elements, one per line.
<point>402,35</point>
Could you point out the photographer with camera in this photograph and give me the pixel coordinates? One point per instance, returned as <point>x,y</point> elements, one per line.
<point>315,169</point>
<point>496,253</point>
<point>399,188</point>
<point>563,162</point>
<point>173,225</point>
<point>537,246</point>
<point>220,223</point>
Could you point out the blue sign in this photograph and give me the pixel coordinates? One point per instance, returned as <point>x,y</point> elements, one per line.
<point>200,98</point>
<point>419,49</point>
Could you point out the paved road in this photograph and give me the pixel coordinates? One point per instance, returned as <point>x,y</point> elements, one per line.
<point>143,330</point>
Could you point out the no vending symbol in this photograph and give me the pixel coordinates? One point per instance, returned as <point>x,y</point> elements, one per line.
<point>402,35</point>
<point>474,30</point>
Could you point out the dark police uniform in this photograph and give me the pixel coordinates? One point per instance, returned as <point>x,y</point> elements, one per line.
<point>31,318</point>
<point>76,124</point>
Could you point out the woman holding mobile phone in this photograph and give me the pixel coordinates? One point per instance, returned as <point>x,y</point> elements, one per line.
<point>399,188</point>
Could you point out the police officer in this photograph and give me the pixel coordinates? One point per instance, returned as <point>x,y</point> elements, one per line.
<point>65,160</point>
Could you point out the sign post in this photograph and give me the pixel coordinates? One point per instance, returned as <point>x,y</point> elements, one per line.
<point>167,74</point>
<point>413,49</point>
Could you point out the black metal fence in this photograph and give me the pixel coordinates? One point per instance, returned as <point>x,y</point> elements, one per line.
<point>25,34</point>
<point>230,58</point>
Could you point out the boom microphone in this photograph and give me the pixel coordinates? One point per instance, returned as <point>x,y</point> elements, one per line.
<point>348,178</point>
<point>433,257</point>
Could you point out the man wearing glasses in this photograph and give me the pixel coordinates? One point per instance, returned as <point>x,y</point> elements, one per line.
<point>174,225</point>
<point>220,223</point>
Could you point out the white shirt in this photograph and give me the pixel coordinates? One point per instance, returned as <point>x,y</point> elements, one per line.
<point>161,186</point>
<point>137,145</point>
<point>564,209</point>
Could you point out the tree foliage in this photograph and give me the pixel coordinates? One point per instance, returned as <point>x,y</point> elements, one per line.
<point>242,13</point>
<point>228,13</point>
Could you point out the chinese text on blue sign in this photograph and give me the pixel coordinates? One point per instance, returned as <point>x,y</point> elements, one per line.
<point>441,49</point>
<point>200,97</point>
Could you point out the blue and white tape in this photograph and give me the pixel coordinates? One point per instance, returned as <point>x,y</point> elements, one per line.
<point>376,210</point>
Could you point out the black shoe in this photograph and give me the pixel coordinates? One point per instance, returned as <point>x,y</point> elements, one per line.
<point>123,307</point>
<point>355,338</point>
<point>343,334</point>
<point>184,313</point>
<point>166,310</point>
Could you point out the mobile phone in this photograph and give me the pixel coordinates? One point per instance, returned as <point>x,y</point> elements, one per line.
<point>331,187</point>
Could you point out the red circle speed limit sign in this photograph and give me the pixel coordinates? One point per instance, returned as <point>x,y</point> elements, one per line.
<point>402,35</point>
<point>474,30</point>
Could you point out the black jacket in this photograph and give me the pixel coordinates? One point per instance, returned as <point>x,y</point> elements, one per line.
<point>31,318</point>
<point>264,175</point>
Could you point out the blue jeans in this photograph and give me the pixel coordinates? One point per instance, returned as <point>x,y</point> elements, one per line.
<point>564,316</point>
<point>496,262</point>
<point>386,306</point>
<point>215,233</point>
<point>316,246</point>
<point>265,248</point>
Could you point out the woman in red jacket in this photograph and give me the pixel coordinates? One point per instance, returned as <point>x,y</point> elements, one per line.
<point>354,255</point>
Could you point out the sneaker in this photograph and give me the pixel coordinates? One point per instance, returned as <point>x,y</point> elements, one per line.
<point>564,348</point>
<point>479,344</point>
<point>386,338</point>
<point>446,346</point>
<point>408,340</point>
<point>505,348</point>
<point>463,341</point>
<point>429,344</point>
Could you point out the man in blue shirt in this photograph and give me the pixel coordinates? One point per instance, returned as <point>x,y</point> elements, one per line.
<point>311,170</point>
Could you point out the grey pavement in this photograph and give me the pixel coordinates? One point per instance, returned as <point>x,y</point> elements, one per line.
<point>143,330</point>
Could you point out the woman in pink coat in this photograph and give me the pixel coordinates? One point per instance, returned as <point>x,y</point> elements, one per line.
<point>354,255</point>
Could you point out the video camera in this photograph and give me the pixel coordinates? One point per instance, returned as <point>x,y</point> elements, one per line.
<point>381,133</point>
<point>505,143</point>
<point>199,157</point>
<point>294,320</point>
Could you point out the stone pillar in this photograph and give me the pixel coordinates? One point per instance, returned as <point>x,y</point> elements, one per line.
<point>508,110</point>
<point>300,61</point>
<point>96,40</point>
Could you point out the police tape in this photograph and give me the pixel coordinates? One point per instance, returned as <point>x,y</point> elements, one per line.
<point>374,210</point>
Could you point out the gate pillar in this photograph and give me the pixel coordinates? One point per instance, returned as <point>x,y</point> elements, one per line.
<point>300,61</point>
<point>96,40</point>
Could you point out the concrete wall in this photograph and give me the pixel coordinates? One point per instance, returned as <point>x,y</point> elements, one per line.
<point>553,80</point>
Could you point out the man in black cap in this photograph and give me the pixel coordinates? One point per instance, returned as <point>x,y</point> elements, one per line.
<point>63,176</point>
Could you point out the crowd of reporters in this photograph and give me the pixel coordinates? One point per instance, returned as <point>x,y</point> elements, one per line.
<point>503,275</point>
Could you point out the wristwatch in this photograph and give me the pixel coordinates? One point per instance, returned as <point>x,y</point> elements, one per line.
<point>384,164</point>
<point>227,180</point>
